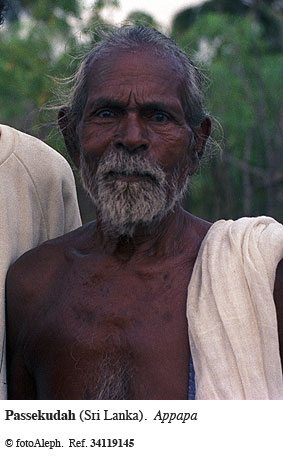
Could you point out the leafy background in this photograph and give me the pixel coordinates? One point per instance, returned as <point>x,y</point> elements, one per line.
<point>237,43</point>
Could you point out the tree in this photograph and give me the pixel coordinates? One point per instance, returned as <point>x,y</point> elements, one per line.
<point>245,70</point>
<point>267,14</point>
<point>139,18</point>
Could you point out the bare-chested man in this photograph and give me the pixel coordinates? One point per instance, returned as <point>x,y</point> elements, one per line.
<point>100,313</point>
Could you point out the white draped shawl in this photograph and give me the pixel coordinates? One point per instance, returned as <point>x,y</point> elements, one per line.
<point>231,312</point>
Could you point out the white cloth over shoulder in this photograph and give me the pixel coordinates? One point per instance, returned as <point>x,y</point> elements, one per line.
<point>231,312</point>
<point>38,202</point>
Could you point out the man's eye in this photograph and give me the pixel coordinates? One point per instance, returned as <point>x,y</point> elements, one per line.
<point>159,117</point>
<point>105,113</point>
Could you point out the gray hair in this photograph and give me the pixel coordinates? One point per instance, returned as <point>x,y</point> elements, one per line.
<point>133,37</point>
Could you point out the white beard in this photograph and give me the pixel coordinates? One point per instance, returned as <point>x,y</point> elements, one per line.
<point>121,205</point>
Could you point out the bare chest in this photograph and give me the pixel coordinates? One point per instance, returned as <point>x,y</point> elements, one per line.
<point>125,325</point>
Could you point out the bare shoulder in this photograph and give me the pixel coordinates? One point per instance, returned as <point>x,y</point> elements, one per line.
<point>35,269</point>
<point>43,257</point>
<point>201,226</point>
<point>195,232</point>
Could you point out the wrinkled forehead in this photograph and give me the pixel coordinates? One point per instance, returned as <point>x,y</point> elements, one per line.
<point>151,63</point>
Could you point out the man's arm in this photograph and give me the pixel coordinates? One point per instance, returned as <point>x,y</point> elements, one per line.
<point>20,382</point>
<point>278,298</point>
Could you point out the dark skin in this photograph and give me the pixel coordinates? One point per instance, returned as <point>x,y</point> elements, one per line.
<point>89,310</point>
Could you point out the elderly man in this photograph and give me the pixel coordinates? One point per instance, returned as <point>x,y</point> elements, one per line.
<point>127,306</point>
<point>38,202</point>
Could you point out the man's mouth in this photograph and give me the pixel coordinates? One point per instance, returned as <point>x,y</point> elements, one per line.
<point>129,177</point>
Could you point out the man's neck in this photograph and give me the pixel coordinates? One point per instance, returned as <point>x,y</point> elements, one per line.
<point>161,239</point>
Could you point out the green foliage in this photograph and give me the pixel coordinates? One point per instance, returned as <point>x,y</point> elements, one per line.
<point>44,10</point>
<point>265,14</point>
<point>139,18</point>
<point>100,4</point>
<point>244,95</point>
<point>182,21</point>
<point>33,52</point>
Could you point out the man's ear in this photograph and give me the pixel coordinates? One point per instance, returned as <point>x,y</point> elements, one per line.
<point>201,135</point>
<point>69,133</point>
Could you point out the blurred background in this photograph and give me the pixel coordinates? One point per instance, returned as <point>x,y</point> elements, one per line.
<point>236,43</point>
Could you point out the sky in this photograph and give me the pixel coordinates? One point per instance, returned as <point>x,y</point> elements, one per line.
<point>162,10</point>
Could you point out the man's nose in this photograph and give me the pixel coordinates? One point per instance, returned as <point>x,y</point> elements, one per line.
<point>132,134</point>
